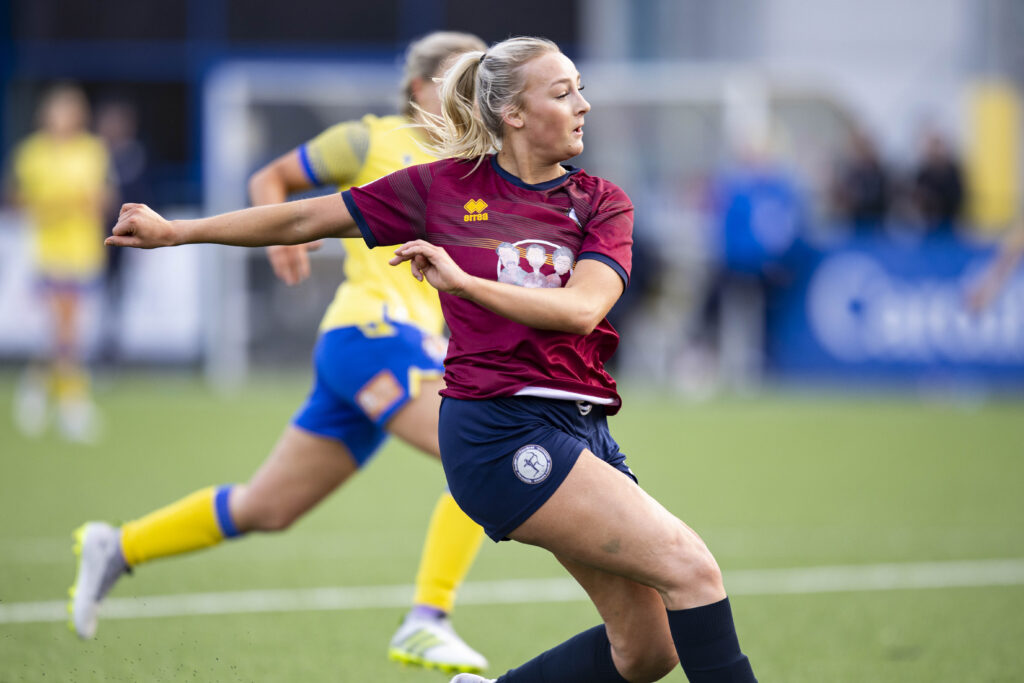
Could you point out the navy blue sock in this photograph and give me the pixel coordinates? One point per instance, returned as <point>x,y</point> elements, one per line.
<point>705,639</point>
<point>584,658</point>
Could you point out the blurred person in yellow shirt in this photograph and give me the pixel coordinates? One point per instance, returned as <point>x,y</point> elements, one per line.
<point>60,177</point>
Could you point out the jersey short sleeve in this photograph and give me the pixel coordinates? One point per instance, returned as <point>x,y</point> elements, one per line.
<point>608,234</point>
<point>335,156</point>
<point>392,210</point>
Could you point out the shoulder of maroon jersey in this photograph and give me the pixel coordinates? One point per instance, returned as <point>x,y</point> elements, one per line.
<point>599,188</point>
<point>590,193</point>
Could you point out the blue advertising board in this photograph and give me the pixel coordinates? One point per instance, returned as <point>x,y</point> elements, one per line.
<point>870,309</point>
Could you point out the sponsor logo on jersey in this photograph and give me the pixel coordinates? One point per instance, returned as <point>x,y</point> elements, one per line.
<point>537,253</point>
<point>532,464</point>
<point>475,210</point>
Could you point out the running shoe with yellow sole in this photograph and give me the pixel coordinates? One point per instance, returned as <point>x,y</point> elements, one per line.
<point>432,643</point>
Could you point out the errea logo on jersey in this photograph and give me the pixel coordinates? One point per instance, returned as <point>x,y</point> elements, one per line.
<point>474,210</point>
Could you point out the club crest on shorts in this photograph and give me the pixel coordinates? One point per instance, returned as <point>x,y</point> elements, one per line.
<point>532,464</point>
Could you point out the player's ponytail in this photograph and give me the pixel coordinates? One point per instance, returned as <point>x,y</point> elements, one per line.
<point>460,131</point>
<point>477,91</point>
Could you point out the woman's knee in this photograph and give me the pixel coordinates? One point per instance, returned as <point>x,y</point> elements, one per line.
<point>262,514</point>
<point>692,576</point>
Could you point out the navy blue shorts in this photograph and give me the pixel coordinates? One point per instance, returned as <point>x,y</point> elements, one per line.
<point>362,379</point>
<point>504,457</point>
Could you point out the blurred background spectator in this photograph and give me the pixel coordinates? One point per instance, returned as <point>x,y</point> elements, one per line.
<point>117,126</point>
<point>938,186</point>
<point>861,186</point>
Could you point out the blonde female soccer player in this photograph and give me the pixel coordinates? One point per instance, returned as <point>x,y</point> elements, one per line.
<point>524,438</point>
<point>378,367</point>
<point>61,177</point>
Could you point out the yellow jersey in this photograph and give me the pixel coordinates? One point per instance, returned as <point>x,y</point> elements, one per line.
<point>61,184</point>
<point>356,153</point>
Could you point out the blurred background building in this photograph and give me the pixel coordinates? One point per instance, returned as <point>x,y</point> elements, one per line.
<point>816,184</point>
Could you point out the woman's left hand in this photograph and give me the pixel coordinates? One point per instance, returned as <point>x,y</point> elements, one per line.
<point>433,263</point>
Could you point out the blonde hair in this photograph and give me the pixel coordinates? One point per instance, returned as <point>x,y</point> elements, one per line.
<point>425,57</point>
<point>476,92</point>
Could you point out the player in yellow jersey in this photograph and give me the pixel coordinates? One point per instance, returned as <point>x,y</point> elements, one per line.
<point>378,368</point>
<point>61,177</point>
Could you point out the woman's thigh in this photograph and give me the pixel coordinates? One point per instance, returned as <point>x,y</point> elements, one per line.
<point>600,518</point>
<point>416,422</point>
<point>301,471</point>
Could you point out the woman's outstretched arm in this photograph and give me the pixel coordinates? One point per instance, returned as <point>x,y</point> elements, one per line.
<point>295,222</point>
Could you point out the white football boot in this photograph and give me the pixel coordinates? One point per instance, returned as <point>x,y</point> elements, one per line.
<point>100,565</point>
<point>432,643</point>
<point>471,678</point>
<point>79,420</point>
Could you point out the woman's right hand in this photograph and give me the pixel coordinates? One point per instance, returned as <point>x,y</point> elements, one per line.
<point>143,228</point>
<point>434,264</point>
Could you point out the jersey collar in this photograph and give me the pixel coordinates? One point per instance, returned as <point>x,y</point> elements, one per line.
<point>546,185</point>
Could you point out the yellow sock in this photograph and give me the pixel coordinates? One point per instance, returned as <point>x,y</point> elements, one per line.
<point>69,381</point>
<point>452,543</point>
<point>197,521</point>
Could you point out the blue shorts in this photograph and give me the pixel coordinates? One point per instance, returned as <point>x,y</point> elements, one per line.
<point>361,379</point>
<point>48,284</point>
<point>504,457</point>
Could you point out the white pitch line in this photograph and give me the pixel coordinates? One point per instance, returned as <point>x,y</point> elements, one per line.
<point>877,577</point>
<point>833,579</point>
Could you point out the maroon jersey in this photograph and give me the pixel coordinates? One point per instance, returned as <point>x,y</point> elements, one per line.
<point>497,227</point>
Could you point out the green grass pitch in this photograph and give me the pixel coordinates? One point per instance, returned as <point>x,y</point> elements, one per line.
<point>772,482</point>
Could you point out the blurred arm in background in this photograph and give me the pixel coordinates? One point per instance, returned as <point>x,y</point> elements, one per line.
<point>272,184</point>
<point>995,277</point>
